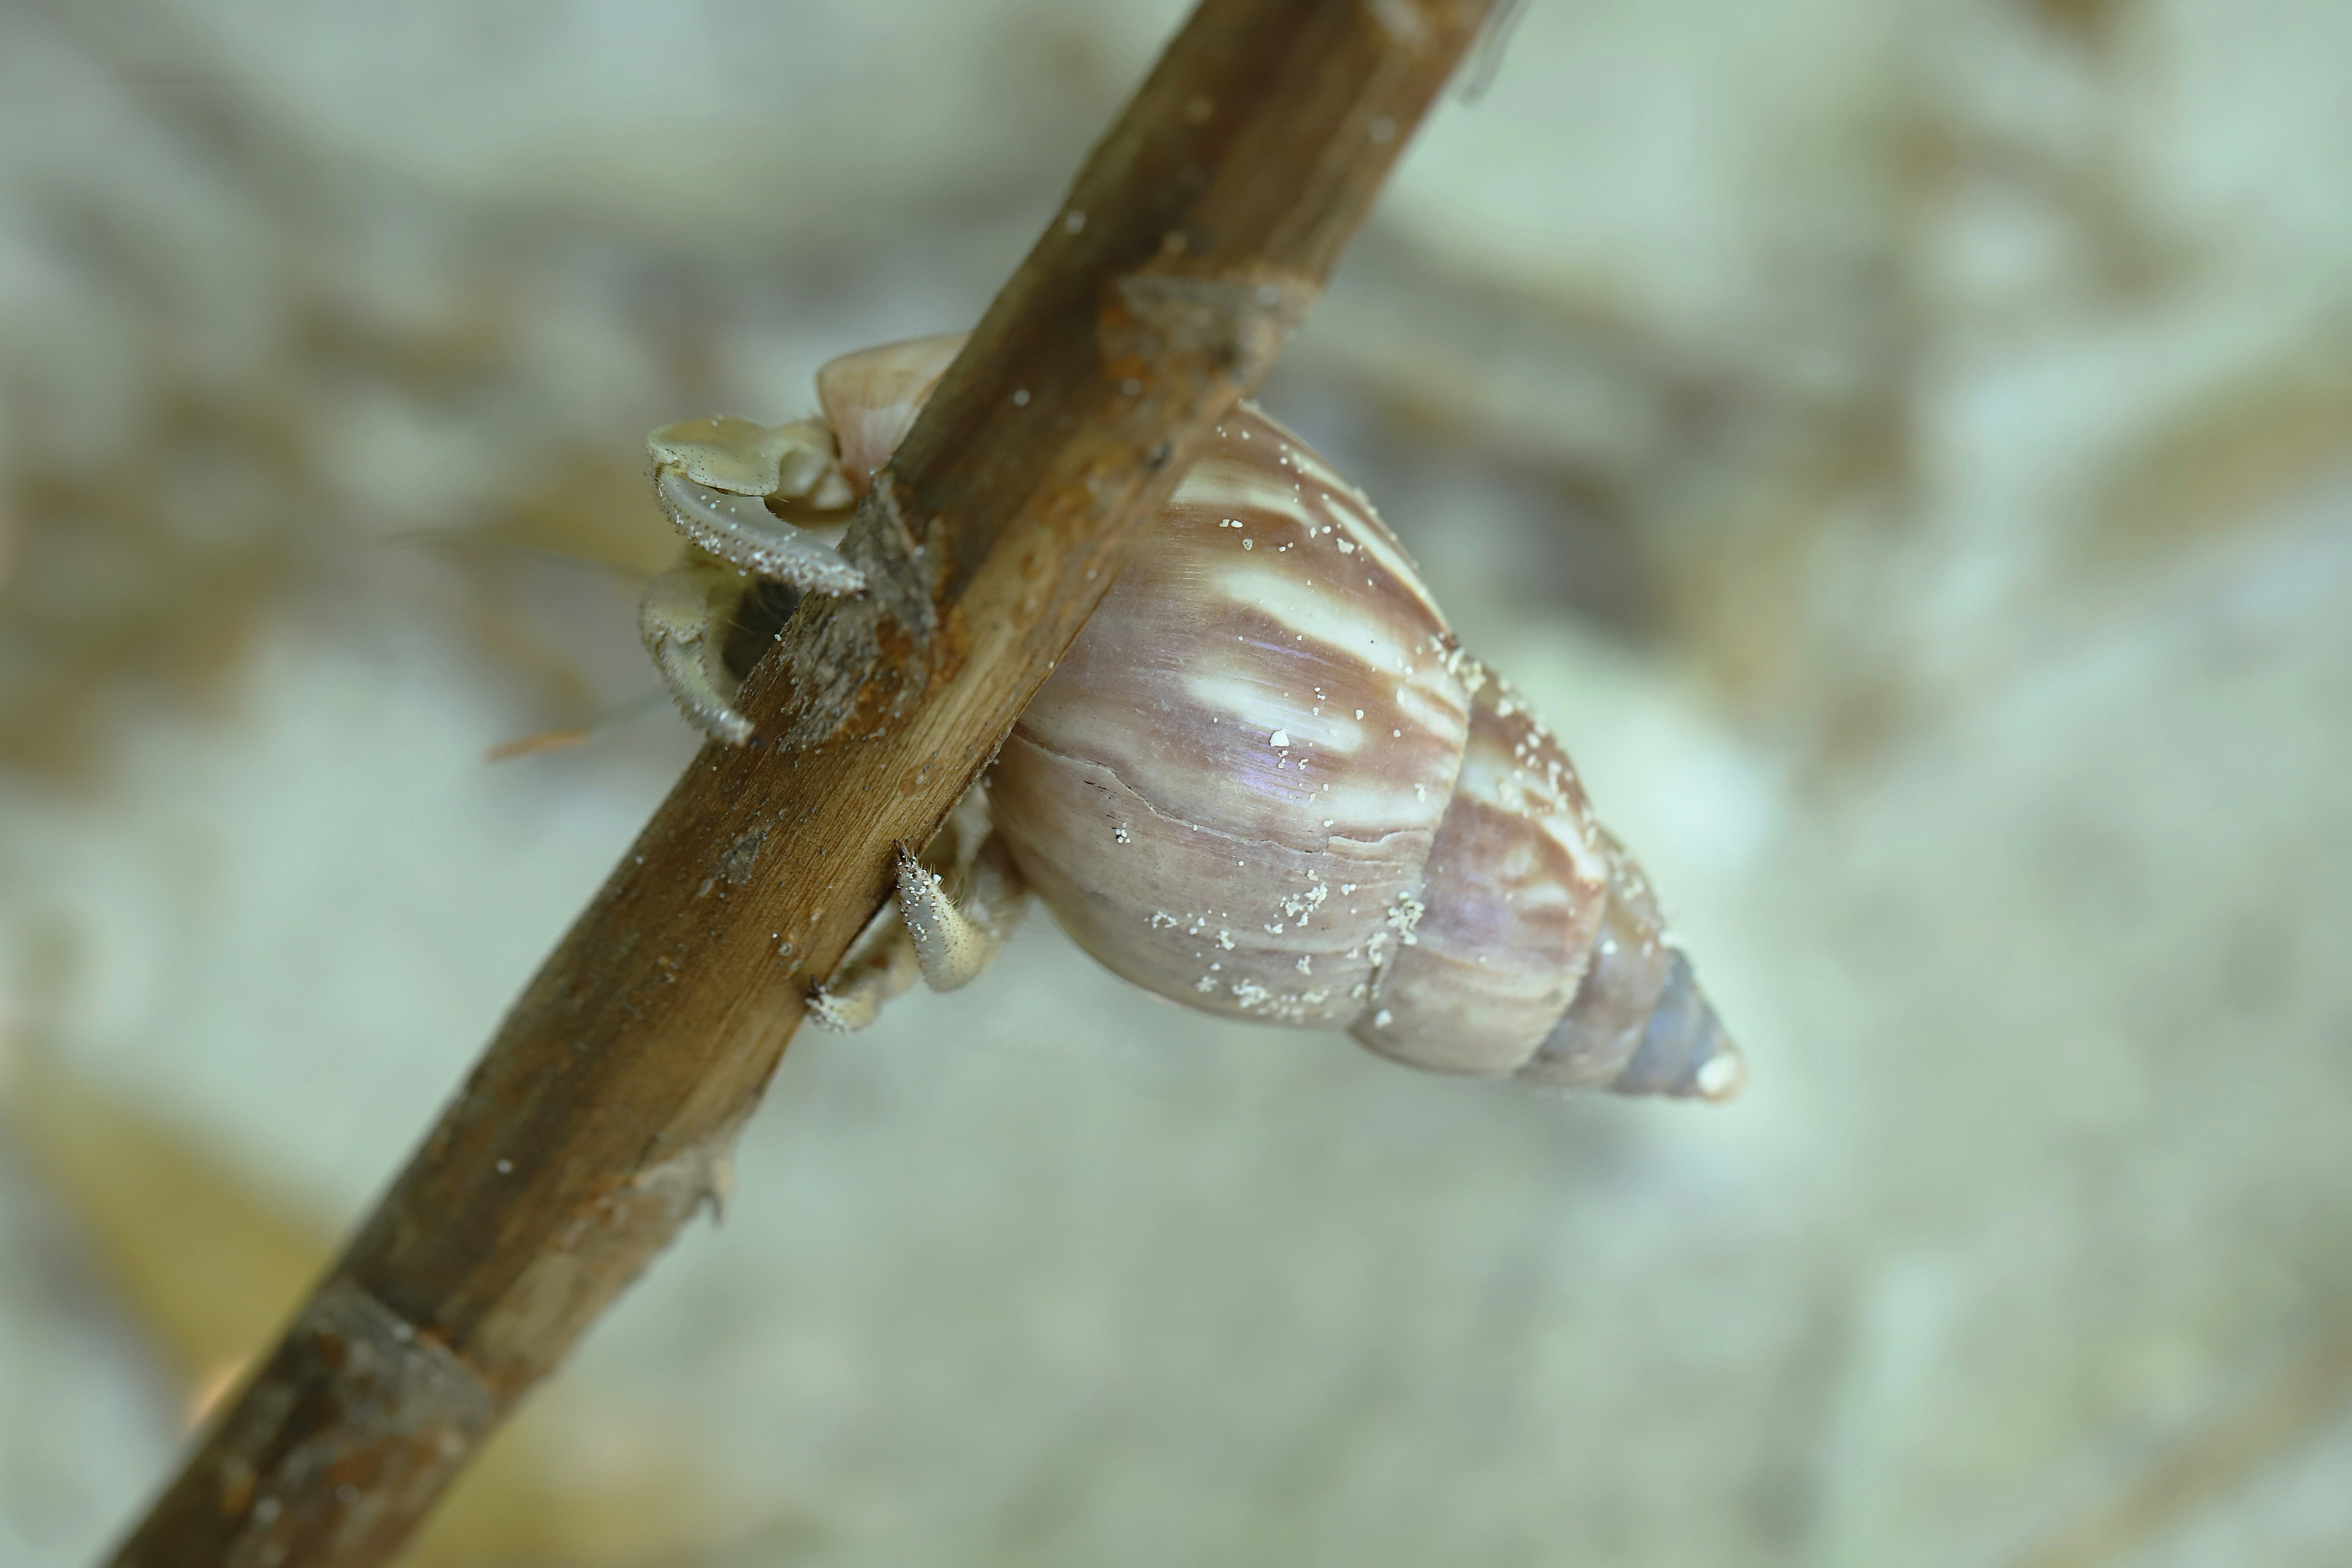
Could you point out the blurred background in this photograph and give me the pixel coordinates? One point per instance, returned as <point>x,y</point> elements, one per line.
<point>1905,448</point>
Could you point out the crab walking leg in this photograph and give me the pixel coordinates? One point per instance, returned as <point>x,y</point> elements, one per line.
<point>957,934</point>
<point>947,928</point>
<point>881,965</point>
<point>684,614</point>
<point>740,531</point>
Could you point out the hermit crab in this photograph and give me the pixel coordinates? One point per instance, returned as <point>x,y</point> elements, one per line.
<point>1265,781</point>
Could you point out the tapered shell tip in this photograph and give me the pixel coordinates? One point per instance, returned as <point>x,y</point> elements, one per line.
<point>1684,1052</point>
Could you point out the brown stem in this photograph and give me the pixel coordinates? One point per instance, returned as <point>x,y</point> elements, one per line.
<point>604,1111</point>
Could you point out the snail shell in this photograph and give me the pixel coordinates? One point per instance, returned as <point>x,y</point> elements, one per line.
<point>1265,782</point>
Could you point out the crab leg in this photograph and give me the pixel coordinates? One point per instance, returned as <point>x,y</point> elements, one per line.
<point>740,531</point>
<point>685,612</point>
<point>957,903</point>
<point>881,965</point>
<point>958,934</point>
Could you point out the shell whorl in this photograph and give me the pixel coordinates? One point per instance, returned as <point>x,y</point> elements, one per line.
<point>1265,781</point>
<point>1228,790</point>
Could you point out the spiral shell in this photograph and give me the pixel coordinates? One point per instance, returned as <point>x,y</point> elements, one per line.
<point>1266,781</point>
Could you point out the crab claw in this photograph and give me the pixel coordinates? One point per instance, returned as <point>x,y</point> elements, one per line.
<point>794,461</point>
<point>740,531</point>
<point>678,619</point>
